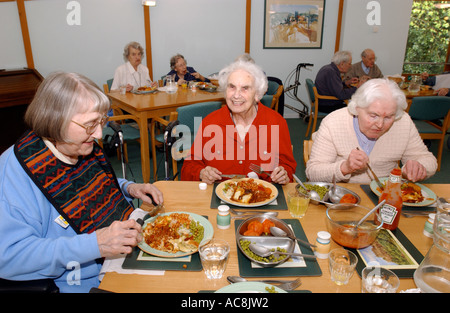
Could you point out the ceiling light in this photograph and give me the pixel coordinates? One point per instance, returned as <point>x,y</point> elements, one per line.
<point>149,3</point>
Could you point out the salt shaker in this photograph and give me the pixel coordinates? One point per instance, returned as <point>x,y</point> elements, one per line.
<point>223,217</point>
<point>322,245</point>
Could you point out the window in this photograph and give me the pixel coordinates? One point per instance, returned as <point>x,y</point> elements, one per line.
<point>428,39</point>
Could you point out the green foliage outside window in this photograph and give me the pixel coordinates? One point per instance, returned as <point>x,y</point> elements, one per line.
<point>428,38</point>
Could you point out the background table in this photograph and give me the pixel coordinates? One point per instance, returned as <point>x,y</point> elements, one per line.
<point>146,106</point>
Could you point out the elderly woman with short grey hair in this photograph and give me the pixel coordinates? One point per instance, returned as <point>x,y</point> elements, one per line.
<point>132,74</point>
<point>375,130</point>
<point>62,207</point>
<point>242,132</point>
<point>183,73</point>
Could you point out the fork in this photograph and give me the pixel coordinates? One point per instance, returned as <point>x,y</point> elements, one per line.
<point>257,169</point>
<point>290,285</point>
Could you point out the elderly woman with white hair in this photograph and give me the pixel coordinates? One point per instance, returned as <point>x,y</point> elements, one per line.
<point>242,132</point>
<point>373,129</point>
<point>132,74</point>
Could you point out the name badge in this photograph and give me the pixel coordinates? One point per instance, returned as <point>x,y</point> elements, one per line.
<point>61,222</point>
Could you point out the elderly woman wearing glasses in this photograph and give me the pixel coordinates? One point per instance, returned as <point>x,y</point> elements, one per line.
<point>62,207</point>
<point>375,130</point>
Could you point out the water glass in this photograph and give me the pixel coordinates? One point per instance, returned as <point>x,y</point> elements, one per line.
<point>171,85</point>
<point>297,203</point>
<point>376,279</point>
<point>214,257</point>
<point>342,265</point>
<point>123,89</point>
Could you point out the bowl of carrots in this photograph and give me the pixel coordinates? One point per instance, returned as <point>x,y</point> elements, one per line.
<point>256,229</point>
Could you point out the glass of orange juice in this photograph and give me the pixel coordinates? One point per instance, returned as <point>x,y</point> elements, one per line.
<point>297,203</point>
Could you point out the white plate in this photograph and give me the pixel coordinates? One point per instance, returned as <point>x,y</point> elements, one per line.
<point>208,233</point>
<point>221,195</point>
<point>429,196</point>
<point>249,287</point>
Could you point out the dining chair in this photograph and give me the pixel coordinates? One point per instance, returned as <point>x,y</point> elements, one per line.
<point>307,146</point>
<point>314,113</point>
<point>431,115</point>
<point>272,96</point>
<point>185,116</point>
<point>128,124</point>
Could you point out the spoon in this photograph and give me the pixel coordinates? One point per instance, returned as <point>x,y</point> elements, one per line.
<point>265,252</point>
<point>312,193</point>
<point>278,232</point>
<point>333,196</point>
<point>368,214</point>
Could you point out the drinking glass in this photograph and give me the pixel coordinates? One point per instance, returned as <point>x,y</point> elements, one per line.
<point>214,257</point>
<point>171,85</point>
<point>414,84</point>
<point>342,265</point>
<point>297,203</point>
<point>376,279</point>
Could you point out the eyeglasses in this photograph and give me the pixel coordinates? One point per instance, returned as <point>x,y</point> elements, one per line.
<point>90,129</point>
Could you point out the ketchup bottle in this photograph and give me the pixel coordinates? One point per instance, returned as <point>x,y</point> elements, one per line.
<point>390,212</point>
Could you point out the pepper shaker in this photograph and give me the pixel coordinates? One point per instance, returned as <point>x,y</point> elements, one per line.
<point>223,217</point>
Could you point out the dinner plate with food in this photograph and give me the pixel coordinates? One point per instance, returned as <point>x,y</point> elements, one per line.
<point>413,194</point>
<point>246,192</point>
<point>175,234</point>
<point>144,90</point>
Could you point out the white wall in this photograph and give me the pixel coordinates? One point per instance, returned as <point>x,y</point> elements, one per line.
<point>209,33</point>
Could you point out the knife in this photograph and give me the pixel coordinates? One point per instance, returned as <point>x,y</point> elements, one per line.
<point>374,175</point>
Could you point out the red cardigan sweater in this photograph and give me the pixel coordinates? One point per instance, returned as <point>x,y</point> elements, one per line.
<point>217,144</point>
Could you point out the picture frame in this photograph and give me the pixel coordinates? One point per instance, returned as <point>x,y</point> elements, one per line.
<point>293,24</point>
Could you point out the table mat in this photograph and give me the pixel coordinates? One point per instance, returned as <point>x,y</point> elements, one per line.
<point>412,250</point>
<point>281,201</point>
<point>312,267</point>
<point>405,208</point>
<point>188,263</point>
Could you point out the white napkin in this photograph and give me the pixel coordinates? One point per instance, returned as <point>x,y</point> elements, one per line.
<point>115,264</point>
<point>442,81</point>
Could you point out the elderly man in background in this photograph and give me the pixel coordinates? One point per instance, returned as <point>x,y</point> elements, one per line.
<point>329,82</point>
<point>373,129</point>
<point>365,67</point>
<point>440,83</point>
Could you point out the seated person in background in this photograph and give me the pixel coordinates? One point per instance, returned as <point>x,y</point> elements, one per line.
<point>329,82</point>
<point>61,205</point>
<point>366,67</point>
<point>182,72</point>
<point>375,122</point>
<point>440,83</point>
<point>242,132</point>
<point>132,74</point>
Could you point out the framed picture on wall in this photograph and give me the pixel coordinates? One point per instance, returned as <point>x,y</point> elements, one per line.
<point>293,24</point>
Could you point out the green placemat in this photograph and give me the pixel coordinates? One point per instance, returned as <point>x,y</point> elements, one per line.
<point>405,208</point>
<point>177,264</point>
<point>411,250</point>
<point>134,260</point>
<point>281,201</point>
<point>312,267</point>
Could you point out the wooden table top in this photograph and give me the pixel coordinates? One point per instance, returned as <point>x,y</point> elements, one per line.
<point>186,196</point>
<point>161,99</point>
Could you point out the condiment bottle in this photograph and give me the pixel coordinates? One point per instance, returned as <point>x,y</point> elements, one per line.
<point>223,217</point>
<point>322,245</point>
<point>390,212</point>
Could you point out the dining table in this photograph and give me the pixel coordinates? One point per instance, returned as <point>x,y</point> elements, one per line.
<point>423,92</point>
<point>145,106</point>
<point>186,196</point>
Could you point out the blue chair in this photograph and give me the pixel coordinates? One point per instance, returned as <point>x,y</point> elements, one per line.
<point>272,96</point>
<point>425,112</point>
<point>185,116</point>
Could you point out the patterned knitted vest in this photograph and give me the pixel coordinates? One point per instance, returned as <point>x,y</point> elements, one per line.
<point>86,194</point>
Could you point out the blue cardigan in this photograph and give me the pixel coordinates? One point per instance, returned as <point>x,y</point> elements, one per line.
<point>33,245</point>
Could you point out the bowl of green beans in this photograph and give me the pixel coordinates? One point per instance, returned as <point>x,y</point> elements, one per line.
<point>322,189</point>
